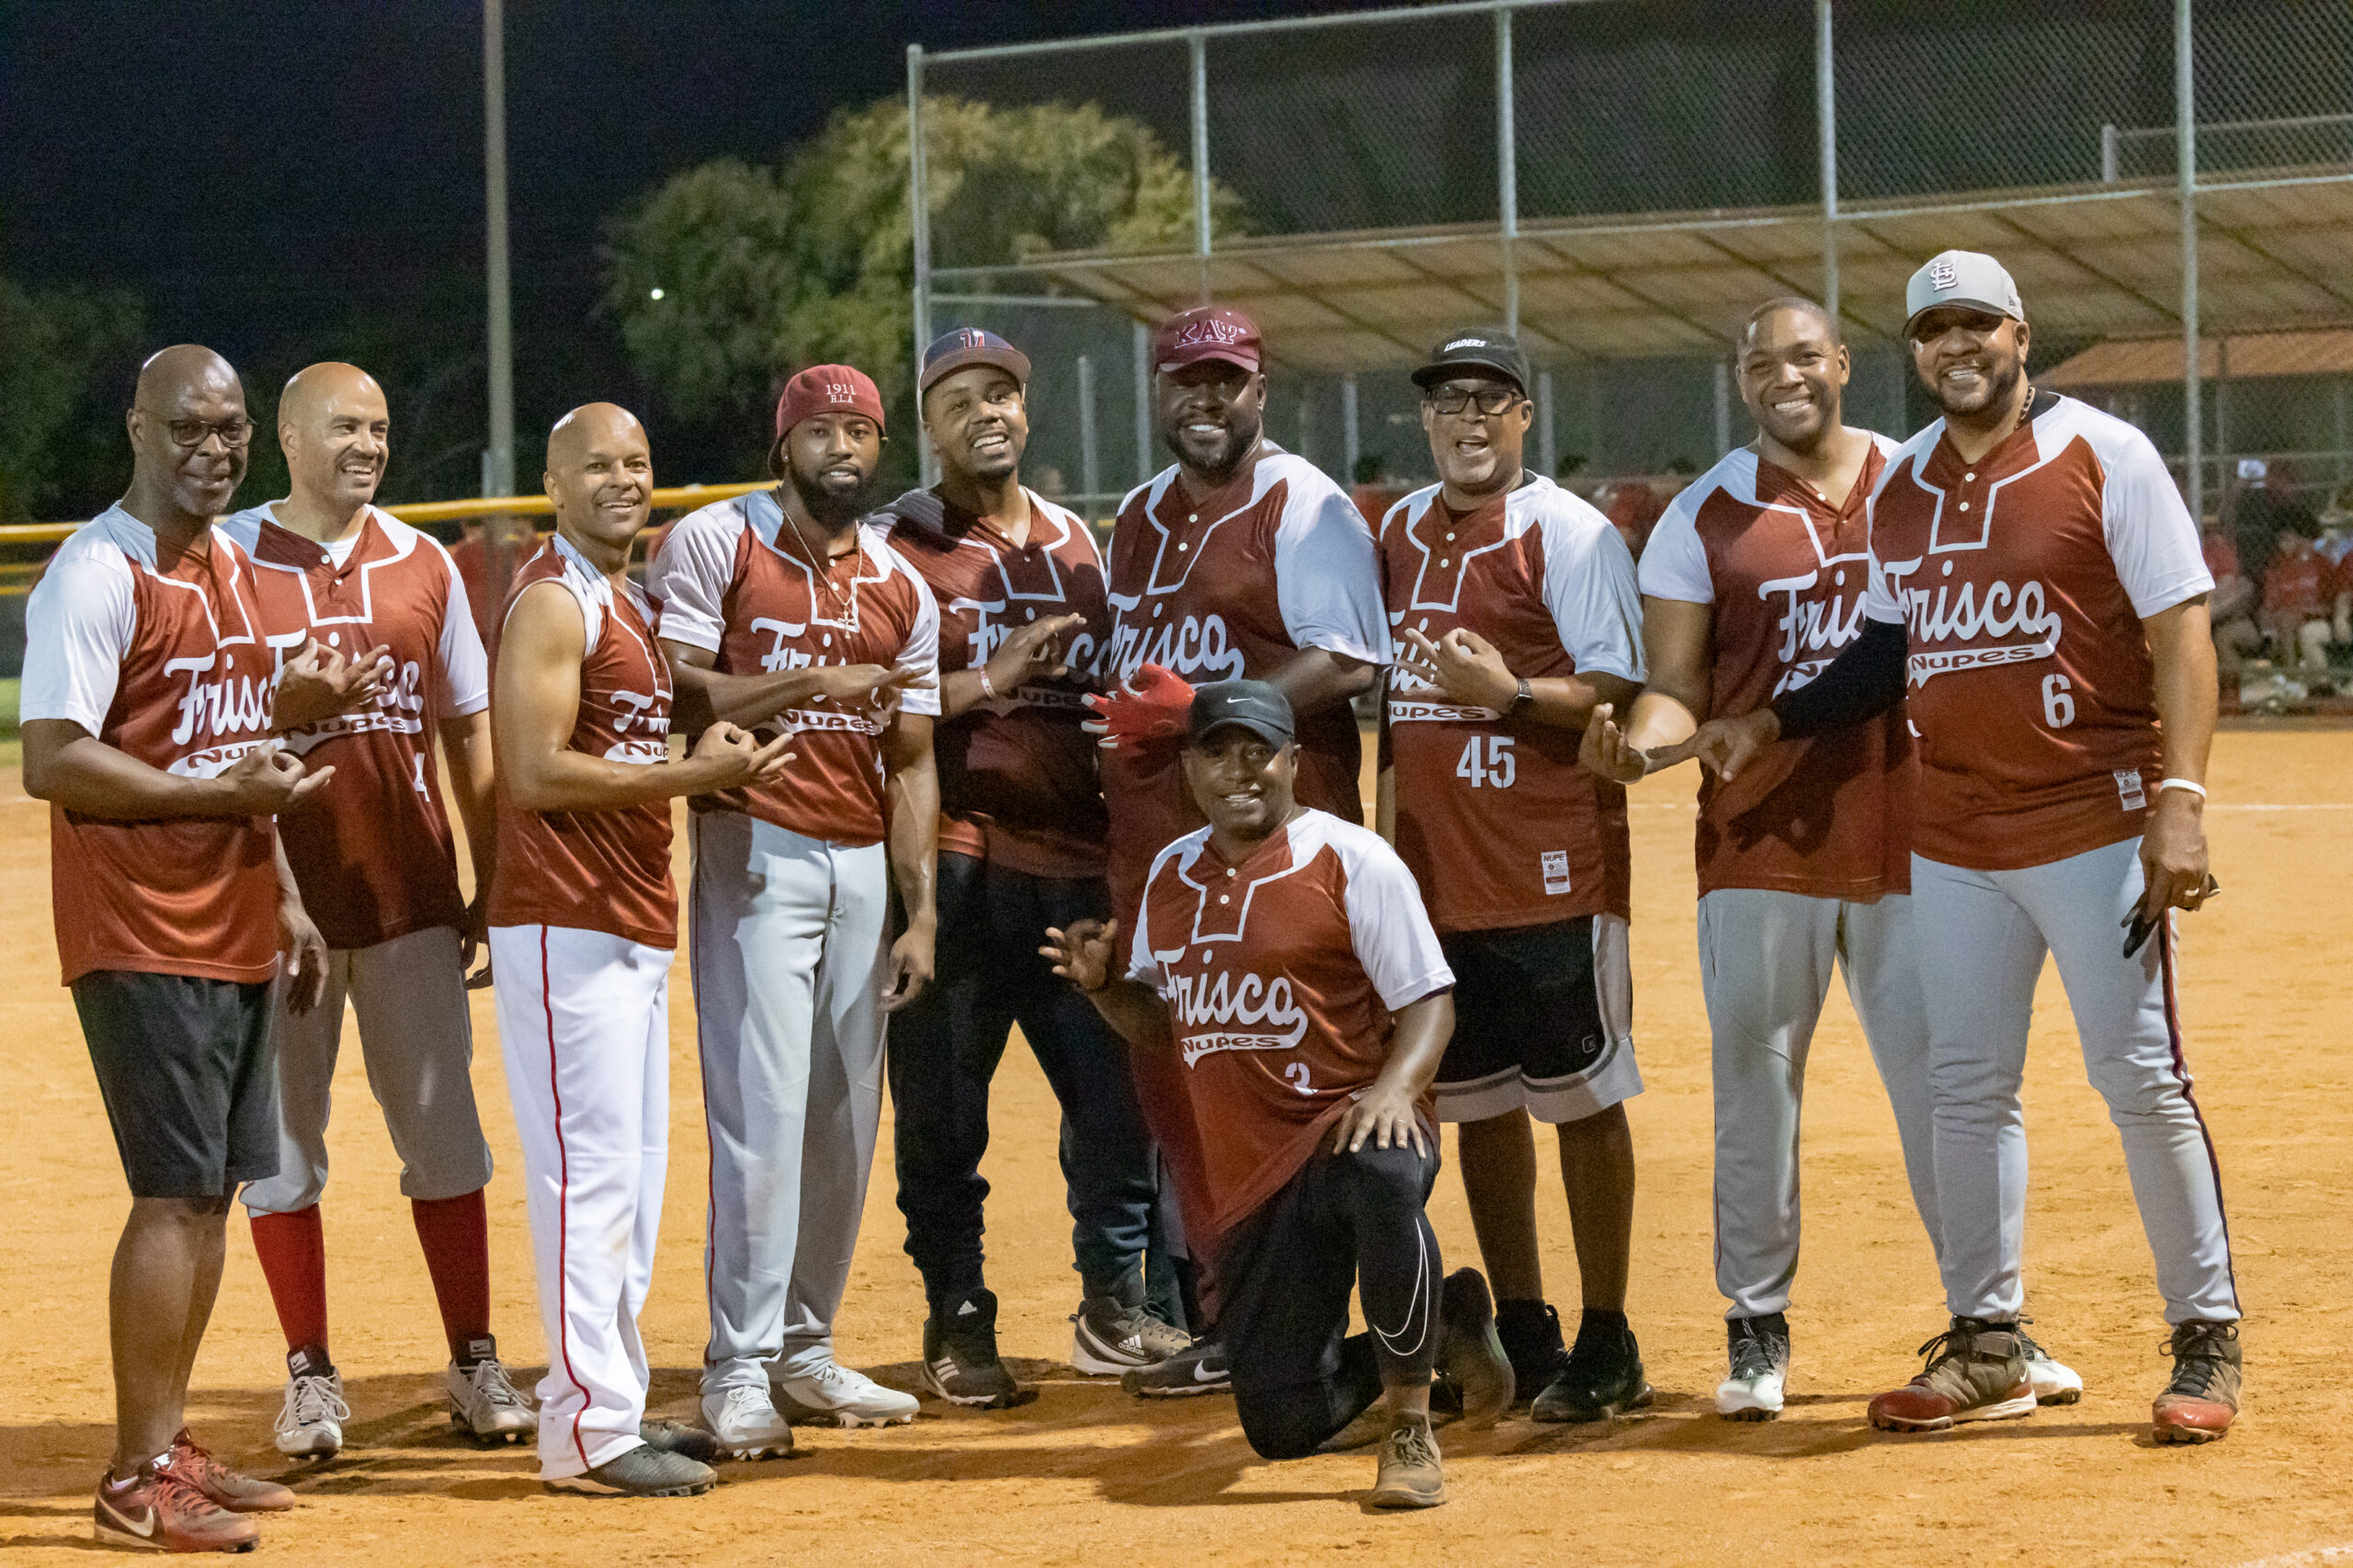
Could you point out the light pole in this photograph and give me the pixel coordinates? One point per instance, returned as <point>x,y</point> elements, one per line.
<point>498,462</point>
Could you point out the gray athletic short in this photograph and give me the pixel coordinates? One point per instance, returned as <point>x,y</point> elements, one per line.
<point>188,1077</point>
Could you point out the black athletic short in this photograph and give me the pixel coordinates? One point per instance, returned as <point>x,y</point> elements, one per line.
<point>1542,1020</point>
<point>189,1078</point>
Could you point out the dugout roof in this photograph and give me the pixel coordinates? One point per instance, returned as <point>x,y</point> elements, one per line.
<point>2143,362</point>
<point>2098,260</point>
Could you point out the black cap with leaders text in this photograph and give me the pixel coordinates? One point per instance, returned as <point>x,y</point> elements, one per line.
<point>1257,706</point>
<point>1496,353</point>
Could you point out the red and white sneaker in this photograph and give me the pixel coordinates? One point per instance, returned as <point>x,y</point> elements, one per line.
<point>1976,1372</point>
<point>226,1488</point>
<point>158,1510</point>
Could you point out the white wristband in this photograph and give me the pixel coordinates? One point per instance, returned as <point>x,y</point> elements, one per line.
<point>2196,789</point>
<point>988,689</point>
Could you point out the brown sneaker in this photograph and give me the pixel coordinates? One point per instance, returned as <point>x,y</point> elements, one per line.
<point>224,1488</point>
<point>1976,1372</point>
<point>1410,1476</point>
<point>158,1510</point>
<point>2202,1401</point>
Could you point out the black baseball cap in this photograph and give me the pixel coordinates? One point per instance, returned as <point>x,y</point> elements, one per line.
<point>1257,706</point>
<point>968,345</point>
<point>1498,352</point>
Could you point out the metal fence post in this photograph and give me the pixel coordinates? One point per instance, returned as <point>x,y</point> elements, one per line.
<point>919,201</point>
<point>2108,153</point>
<point>1350,447</point>
<point>1825,103</point>
<point>2185,130</point>
<point>1200,48</point>
<point>1506,170</point>
<point>498,466</point>
<point>1140,336</point>
<point>1547,438</point>
<point>1724,406</point>
<point>1090,469</point>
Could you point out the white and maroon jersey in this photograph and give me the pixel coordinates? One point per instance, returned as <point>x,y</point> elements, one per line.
<point>597,870</point>
<point>724,585</point>
<point>164,663</point>
<point>1500,823</point>
<point>372,852</point>
<point>1017,774</point>
<point>1785,571</point>
<point>2022,581</point>
<point>1229,588</point>
<point>1282,974</point>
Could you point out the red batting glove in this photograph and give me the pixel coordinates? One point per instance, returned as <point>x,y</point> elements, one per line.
<point>1151,706</point>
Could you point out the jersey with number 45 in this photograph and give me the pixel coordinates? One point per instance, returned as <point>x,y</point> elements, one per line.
<point>1495,819</point>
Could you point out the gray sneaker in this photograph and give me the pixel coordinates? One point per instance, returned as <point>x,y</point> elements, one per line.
<point>644,1471</point>
<point>1410,1473</point>
<point>484,1403</point>
<point>1470,1354</point>
<point>1976,1372</point>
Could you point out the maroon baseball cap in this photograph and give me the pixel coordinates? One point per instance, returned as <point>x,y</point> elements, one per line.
<point>1207,332</point>
<point>827,389</point>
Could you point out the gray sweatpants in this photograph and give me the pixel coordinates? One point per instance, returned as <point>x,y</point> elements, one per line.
<point>1764,967</point>
<point>1992,929</point>
<point>786,946</point>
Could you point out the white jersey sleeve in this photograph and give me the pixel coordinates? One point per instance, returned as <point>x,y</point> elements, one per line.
<point>78,627</point>
<point>920,653</point>
<point>465,667</point>
<point>1143,968</point>
<point>2150,536</point>
<point>689,578</point>
<point>1387,924</point>
<point>1327,575</point>
<point>1880,602</point>
<point>1674,563</point>
<point>1589,587</point>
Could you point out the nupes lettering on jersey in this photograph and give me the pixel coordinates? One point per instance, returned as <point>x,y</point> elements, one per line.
<point>1960,626</point>
<point>1205,1002</point>
<point>1813,630</point>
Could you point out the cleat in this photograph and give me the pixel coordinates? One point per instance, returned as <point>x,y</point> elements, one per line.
<point>744,1423</point>
<point>310,1423</point>
<point>1471,1355</point>
<point>1976,1372</point>
<point>959,1360</point>
<point>2201,1399</point>
<point>1410,1475</point>
<point>2054,1383</point>
<point>677,1438</point>
<point>1114,1334</point>
<point>1601,1379</point>
<point>159,1510</point>
<point>1201,1368</point>
<point>643,1472</point>
<point>1759,1350</point>
<point>484,1403</point>
<point>833,1395</point>
<point>220,1486</point>
<point>1531,1332</point>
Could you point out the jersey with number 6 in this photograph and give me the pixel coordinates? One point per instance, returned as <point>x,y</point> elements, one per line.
<point>1498,823</point>
<point>2022,581</point>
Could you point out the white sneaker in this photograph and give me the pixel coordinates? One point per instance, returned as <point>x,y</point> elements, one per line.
<point>745,1421</point>
<point>834,1395</point>
<point>2054,1383</point>
<point>1759,1348</point>
<point>484,1403</point>
<point>309,1425</point>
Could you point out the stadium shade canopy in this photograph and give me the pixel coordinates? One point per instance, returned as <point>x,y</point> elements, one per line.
<point>2095,260</point>
<point>2158,360</point>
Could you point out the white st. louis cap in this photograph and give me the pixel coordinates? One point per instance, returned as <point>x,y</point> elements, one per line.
<point>1962,277</point>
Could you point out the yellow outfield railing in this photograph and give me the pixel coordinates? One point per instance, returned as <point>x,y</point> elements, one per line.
<point>677,497</point>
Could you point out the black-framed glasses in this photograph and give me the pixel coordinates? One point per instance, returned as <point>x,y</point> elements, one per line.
<point>1491,400</point>
<point>191,432</point>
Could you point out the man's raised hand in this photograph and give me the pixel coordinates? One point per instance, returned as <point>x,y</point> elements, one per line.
<point>1724,746</point>
<point>734,757</point>
<point>1033,653</point>
<point>267,782</point>
<point>874,683</point>
<point>319,683</point>
<point>1085,954</point>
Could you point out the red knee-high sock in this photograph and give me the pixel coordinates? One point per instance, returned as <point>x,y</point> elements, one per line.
<point>293,1252</point>
<point>455,1233</point>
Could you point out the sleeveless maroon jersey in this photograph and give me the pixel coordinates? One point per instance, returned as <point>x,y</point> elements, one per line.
<point>1829,816</point>
<point>1017,774</point>
<point>597,870</point>
<point>373,853</point>
<point>164,663</point>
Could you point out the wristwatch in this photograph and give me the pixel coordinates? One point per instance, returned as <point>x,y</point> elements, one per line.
<point>1520,699</point>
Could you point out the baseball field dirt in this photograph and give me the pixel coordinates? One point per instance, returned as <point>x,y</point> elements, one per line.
<point>1087,1476</point>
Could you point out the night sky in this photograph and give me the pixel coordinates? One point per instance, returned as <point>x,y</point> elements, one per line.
<point>262,172</point>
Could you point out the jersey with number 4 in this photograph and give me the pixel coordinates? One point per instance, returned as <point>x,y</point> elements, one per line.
<point>373,853</point>
<point>1500,823</point>
<point>2022,581</point>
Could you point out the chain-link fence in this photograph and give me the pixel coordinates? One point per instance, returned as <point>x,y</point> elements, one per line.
<point>1621,183</point>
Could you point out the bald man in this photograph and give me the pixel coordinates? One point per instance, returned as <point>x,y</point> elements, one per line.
<point>377,869</point>
<point>583,922</point>
<point>150,711</point>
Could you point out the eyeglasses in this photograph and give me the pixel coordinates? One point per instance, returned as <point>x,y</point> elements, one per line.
<point>1491,400</point>
<point>191,432</point>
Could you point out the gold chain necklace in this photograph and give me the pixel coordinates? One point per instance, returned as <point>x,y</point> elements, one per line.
<point>824,561</point>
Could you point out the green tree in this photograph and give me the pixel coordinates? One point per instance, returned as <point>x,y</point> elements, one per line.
<point>65,357</point>
<point>762,269</point>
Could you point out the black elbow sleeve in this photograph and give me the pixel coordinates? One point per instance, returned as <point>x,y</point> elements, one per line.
<point>1861,683</point>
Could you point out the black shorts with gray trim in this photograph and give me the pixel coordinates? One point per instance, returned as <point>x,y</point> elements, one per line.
<point>189,1078</point>
<point>1543,1021</point>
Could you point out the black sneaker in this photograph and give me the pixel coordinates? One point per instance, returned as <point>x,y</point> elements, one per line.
<point>1532,1335</point>
<point>1469,1356</point>
<point>1113,1334</point>
<point>1601,1379</point>
<point>1200,1368</point>
<point>644,1471</point>
<point>959,1360</point>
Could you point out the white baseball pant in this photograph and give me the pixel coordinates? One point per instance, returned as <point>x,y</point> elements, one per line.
<point>1766,959</point>
<point>418,1043</point>
<point>1992,931</point>
<point>584,1025</point>
<point>787,941</point>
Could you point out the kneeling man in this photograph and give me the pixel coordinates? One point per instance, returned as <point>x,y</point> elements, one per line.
<point>1286,955</point>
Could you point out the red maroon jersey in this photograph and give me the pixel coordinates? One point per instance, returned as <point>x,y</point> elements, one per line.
<point>1500,823</point>
<point>2297,581</point>
<point>166,664</point>
<point>372,852</point>
<point>1017,774</point>
<point>1232,587</point>
<point>726,586</point>
<point>2022,581</point>
<point>597,870</point>
<point>1282,973</point>
<point>1785,571</point>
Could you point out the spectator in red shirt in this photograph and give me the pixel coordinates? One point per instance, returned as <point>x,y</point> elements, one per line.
<point>2236,635</point>
<point>2299,588</point>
